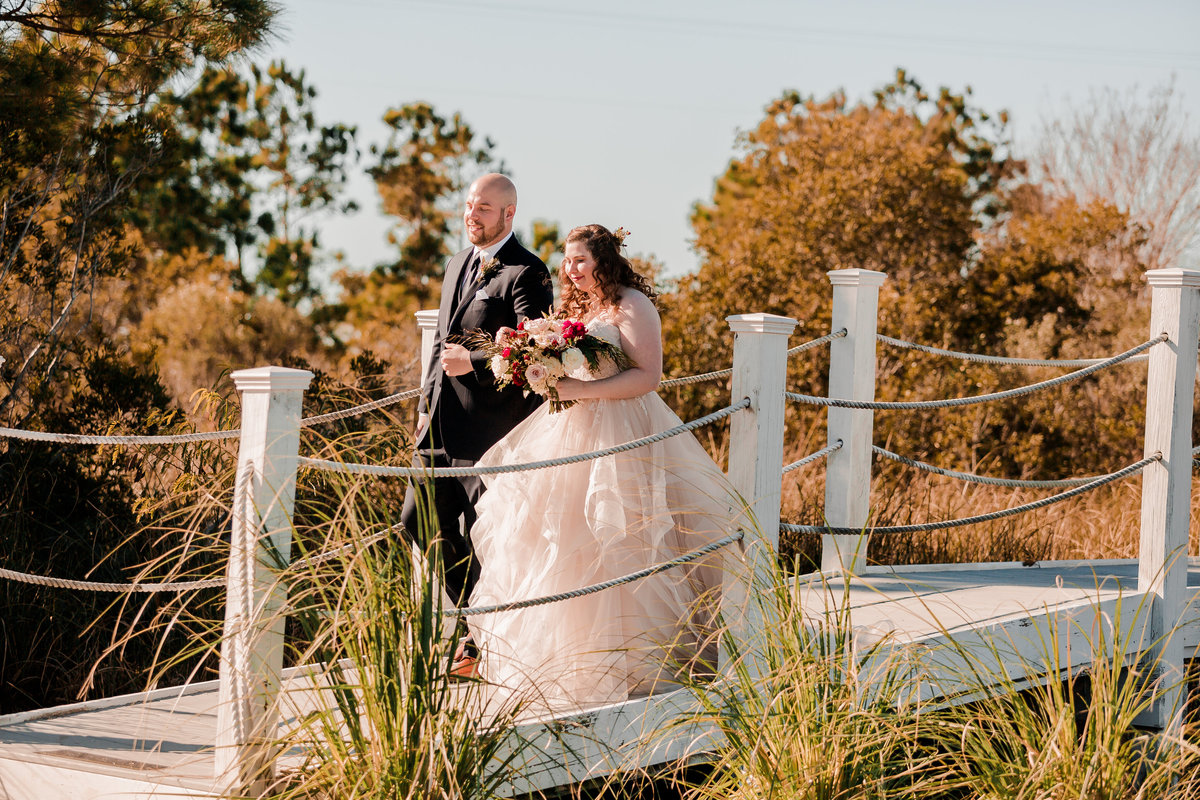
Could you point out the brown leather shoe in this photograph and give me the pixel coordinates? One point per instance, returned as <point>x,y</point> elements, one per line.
<point>464,669</point>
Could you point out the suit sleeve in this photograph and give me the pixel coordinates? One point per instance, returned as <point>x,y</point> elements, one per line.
<point>532,296</point>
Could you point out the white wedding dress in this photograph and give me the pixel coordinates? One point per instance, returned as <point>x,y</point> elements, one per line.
<point>562,528</point>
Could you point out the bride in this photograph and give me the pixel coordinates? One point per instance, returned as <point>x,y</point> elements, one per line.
<point>553,530</point>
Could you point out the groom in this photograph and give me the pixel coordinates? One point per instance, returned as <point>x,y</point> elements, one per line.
<point>493,283</point>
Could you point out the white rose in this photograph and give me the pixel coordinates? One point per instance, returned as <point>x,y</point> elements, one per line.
<point>554,367</point>
<point>499,366</point>
<point>573,359</point>
<point>503,334</point>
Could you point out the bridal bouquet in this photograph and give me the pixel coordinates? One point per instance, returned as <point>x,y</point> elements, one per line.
<point>540,352</point>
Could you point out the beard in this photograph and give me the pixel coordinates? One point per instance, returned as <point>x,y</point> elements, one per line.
<point>486,235</point>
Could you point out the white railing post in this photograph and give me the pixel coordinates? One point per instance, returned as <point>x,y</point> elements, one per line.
<point>755,468</point>
<point>252,641</point>
<point>851,377</point>
<point>1167,484</point>
<point>427,321</point>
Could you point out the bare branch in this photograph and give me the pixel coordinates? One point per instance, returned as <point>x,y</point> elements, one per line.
<point>1138,151</point>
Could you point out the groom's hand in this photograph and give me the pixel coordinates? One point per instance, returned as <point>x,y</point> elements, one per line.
<point>456,360</point>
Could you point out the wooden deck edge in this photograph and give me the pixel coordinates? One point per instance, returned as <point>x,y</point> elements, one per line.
<point>42,777</point>
<point>101,703</point>
<point>876,569</point>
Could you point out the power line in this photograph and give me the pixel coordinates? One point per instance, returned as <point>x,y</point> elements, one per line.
<point>692,25</point>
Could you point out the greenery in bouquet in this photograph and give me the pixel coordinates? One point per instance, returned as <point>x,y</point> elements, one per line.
<point>541,352</point>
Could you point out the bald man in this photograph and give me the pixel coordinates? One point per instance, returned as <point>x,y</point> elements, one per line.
<point>463,413</point>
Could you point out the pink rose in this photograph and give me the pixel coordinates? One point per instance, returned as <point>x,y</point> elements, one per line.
<point>536,373</point>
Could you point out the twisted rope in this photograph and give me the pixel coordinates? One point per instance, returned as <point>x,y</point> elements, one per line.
<point>725,373</point>
<point>829,337</point>
<point>955,523</point>
<point>971,478</point>
<point>241,507</point>
<point>383,402</point>
<point>704,376</point>
<point>597,587</point>
<point>80,438</point>
<point>983,398</point>
<point>95,586</point>
<point>824,451</point>
<point>447,472</point>
<point>982,359</point>
<point>311,561</point>
<point>207,436</point>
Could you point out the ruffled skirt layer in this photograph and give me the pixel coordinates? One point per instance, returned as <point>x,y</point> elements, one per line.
<point>563,528</point>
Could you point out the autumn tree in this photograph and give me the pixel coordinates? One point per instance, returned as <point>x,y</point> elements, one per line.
<point>919,185</point>
<point>77,133</point>
<point>256,171</point>
<point>894,184</point>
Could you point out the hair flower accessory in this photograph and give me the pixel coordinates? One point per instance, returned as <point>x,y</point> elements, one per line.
<point>619,234</point>
<point>489,268</point>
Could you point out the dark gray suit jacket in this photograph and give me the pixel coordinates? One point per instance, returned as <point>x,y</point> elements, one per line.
<point>468,414</point>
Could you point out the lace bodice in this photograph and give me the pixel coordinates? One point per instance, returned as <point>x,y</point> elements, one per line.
<point>602,327</point>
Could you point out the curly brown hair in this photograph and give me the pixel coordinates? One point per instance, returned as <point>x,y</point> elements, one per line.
<point>612,272</point>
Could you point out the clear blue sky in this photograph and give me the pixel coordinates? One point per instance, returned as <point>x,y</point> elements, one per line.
<point>624,112</point>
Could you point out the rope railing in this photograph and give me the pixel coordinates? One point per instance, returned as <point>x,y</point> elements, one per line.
<point>182,586</point>
<point>957,523</point>
<point>984,479</point>
<point>204,436</point>
<point>240,515</point>
<point>447,472</point>
<point>824,451</point>
<point>97,586</point>
<point>725,373</point>
<point>354,411</point>
<point>82,438</point>
<point>514,605</point>
<point>982,359</point>
<point>983,398</point>
<point>374,405</point>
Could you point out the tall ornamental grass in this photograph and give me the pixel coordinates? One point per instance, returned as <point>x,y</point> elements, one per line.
<point>379,716</point>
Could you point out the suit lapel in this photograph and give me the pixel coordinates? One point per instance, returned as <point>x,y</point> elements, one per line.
<point>452,303</point>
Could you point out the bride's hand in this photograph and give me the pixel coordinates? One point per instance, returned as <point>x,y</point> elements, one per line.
<point>569,389</point>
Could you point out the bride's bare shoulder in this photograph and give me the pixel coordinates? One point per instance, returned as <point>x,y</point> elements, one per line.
<point>635,302</point>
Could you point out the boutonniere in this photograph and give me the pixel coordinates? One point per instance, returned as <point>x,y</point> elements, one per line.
<point>489,268</point>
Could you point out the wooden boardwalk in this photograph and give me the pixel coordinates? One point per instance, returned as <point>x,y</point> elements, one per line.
<point>1029,624</point>
<point>159,744</point>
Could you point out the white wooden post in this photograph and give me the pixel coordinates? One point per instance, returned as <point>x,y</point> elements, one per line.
<point>427,321</point>
<point>755,468</point>
<point>252,643</point>
<point>851,377</point>
<point>1167,485</point>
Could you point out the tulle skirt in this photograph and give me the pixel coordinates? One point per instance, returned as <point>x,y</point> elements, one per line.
<point>563,528</point>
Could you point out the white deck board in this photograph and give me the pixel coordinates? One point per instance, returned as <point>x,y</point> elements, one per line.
<point>159,744</point>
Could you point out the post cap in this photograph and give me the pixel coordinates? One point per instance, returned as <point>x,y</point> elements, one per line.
<point>426,318</point>
<point>761,323</point>
<point>271,379</point>
<point>856,277</point>
<point>1173,277</point>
